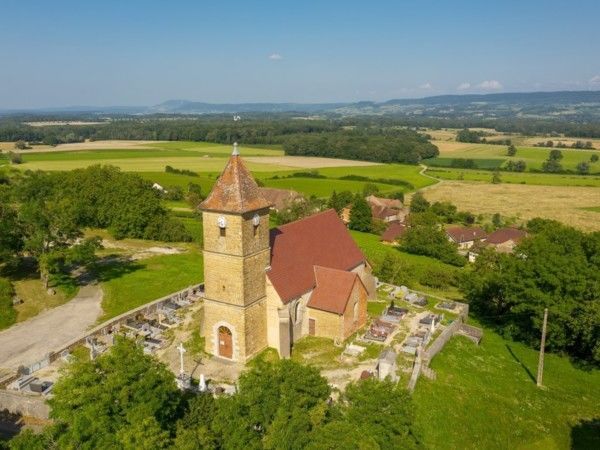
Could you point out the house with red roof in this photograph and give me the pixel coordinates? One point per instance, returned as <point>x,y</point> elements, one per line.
<point>393,232</point>
<point>270,287</point>
<point>465,237</point>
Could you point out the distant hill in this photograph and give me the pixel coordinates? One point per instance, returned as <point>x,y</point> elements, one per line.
<point>576,105</point>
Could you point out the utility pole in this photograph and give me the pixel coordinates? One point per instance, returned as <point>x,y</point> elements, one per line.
<point>540,372</point>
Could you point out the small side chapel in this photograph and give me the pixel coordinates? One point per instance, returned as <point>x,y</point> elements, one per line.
<point>269,288</point>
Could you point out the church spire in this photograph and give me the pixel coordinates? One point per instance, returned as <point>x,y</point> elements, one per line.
<point>235,191</point>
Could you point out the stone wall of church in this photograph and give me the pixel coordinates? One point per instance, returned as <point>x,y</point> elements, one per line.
<point>234,279</point>
<point>256,328</point>
<point>328,325</point>
<point>247,326</point>
<point>240,236</point>
<point>358,296</point>
<point>364,271</point>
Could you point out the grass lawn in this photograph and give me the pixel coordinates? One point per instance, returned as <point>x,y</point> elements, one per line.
<point>516,178</point>
<point>405,172</point>
<point>323,187</point>
<point>375,252</point>
<point>167,180</point>
<point>317,351</point>
<point>128,285</point>
<point>36,299</point>
<point>485,397</point>
<point>592,208</point>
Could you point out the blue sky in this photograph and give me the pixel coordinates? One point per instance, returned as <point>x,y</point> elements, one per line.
<point>130,52</point>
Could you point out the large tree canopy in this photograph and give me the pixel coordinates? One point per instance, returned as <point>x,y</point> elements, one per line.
<point>558,268</point>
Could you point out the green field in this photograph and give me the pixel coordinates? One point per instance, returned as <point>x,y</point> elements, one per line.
<point>533,156</point>
<point>593,209</point>
<point>480,163</point>
<point>128,285</point>
<point>485,397</point>
<point>416,265</point>
<point>516,178</point>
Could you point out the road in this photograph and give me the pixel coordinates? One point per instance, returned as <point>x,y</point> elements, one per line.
<point>29,341</point>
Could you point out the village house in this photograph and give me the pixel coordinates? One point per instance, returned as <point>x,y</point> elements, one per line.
<point>387,209</point>
<point>393,233</point>
<point>279,198</point>
<point>503,240</point>
<point>465,237</point>
<point>269,288</point>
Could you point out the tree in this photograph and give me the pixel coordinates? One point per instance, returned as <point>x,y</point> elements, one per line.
<point>555,155</point>
<point>11,233</point>
<point>275,400</point>
<point>594,158</point>
<point>122,398</point>
<point>395,270</point>
<point>20,145</point>
<point>552,165</point>
<point>370,189</point>
<point>425,237</point>
<point>382,410</point>
<point>360,216</point>
<point>497,220</point>
<point>558,268</point>
<point>418,203</point>
<point>512,150</point>
<point>583,168</point>
<point>496,178</point>
<point>341,200</point>
<point>15,158</point>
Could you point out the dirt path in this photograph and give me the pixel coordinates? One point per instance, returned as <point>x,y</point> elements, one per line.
<point>29,341</point>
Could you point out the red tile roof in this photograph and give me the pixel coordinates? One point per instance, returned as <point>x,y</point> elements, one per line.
<point>333,289</point>
<point>465,234</point>
<point>393,231</point>
<point>235,191</point>
<point>279,198</point>
<point>506,234</point>
<point>388,202</point>
<point>318,240</point>
<point>382,212</point>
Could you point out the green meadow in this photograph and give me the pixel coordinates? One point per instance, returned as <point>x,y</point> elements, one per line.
<point>129,284</point>
<point>488,156</point>
<point>485,397</point>
<point>516,177</point>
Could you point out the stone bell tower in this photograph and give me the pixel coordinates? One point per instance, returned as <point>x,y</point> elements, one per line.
<point>236,254</point>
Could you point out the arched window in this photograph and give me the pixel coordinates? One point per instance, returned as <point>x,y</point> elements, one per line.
<point>297,312</point>
<point>356,311</point>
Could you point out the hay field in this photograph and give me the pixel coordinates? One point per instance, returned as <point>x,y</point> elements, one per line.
<point>562,203</point>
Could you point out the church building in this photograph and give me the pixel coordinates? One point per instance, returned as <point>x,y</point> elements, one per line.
<point>269,288</point>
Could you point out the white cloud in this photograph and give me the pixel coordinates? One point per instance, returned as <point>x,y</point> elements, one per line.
<point>426,86</point>
<point>463,86</point>
<point>490,85</point>
<point>275,57</point>
<point>595,80</point>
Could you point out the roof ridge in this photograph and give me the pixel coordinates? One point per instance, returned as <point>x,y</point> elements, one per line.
<point>320,213</point>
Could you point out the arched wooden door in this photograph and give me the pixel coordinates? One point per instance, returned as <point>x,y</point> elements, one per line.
<point>225,343</point>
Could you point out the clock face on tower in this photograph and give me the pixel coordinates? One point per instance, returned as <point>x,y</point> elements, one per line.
<point>256,220</point>
<point>222,222</point>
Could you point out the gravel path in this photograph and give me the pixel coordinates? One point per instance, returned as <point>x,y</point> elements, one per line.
<point>29,341</point>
